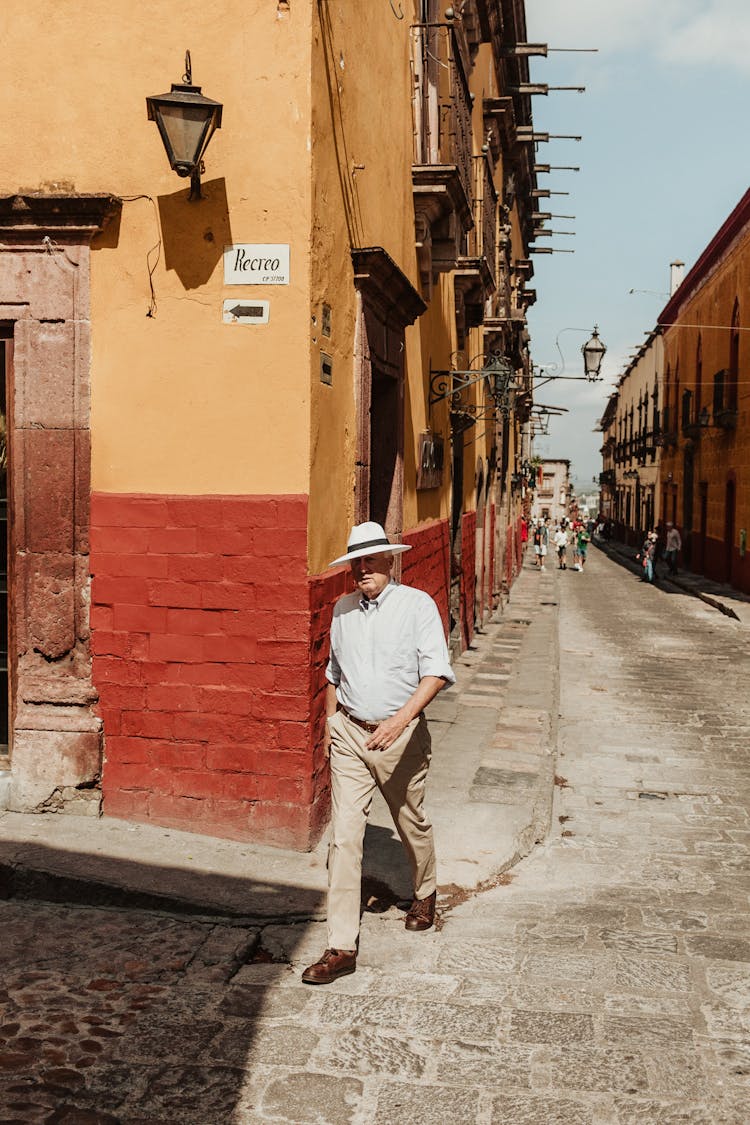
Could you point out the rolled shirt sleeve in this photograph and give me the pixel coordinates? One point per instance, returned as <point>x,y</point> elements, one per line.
<point>432,650</point>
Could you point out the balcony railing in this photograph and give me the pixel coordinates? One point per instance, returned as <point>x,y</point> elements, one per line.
<point>482,239</point>
<point>442,103</point>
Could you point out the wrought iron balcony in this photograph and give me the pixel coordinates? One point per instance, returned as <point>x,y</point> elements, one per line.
<point>442,168</point>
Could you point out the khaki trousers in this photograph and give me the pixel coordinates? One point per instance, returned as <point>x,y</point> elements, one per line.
<point>399,773</point>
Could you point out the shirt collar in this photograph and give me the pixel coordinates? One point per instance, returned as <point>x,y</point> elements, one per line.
<point>365,603</point>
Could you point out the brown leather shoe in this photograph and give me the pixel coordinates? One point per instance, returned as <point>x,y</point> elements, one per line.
<point>334,963</point>
<point>421,913</point>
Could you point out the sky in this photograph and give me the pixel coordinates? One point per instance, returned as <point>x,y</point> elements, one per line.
<point>664,159</point>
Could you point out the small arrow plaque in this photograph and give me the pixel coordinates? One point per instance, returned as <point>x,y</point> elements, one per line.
<point>245,312</point>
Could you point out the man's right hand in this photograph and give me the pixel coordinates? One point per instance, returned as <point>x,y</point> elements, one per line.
<point>326,739</point>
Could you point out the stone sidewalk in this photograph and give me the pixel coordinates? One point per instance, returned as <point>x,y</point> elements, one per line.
<point>490,795</point>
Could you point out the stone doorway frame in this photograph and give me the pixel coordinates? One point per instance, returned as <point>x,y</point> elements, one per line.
<point>386,303</point>
<point>55,733</point>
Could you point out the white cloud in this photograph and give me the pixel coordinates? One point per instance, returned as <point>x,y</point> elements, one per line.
<point>720,36</point>
<point>680,32</point>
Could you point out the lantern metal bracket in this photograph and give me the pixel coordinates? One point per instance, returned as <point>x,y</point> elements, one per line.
<point>491,370</point>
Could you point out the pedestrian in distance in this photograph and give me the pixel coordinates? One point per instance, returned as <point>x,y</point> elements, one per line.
<point>672,548</point>
<point>541,543</point>
<point>647,557</point>
<point>583,540</point>
<point>574,546</point>
<point>561,542</point>
<point>388,660</point>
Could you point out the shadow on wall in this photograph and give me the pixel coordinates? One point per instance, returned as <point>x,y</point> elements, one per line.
<point>195,233</point>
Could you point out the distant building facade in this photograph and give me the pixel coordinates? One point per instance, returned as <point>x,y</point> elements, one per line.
<point>632,470</point>
<point>552,497</point>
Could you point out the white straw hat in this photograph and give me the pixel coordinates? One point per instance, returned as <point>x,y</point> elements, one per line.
<point>369,539</point>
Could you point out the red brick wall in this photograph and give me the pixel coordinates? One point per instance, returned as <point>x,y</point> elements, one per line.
<point>427,565</point>
<point>468,575</point>
<point>491,568</point>
<point>202,635</point>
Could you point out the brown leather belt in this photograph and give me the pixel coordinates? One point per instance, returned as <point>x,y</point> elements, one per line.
<point>369,727</point>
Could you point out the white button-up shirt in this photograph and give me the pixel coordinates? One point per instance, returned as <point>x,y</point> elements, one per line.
<point>381,649</point>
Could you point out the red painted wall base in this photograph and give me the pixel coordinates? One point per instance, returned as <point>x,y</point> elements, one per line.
<point>210,643</point>
<point>202,635</point>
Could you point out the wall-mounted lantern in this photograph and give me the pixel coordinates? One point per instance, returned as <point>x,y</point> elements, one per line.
<point>593,354</point>
<point>186,122</point>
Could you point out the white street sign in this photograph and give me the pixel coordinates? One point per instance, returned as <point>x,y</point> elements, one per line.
<point>248,263</point>
<point>237,311</point>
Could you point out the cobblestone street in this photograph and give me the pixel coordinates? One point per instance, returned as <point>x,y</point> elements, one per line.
<point>604,980</point>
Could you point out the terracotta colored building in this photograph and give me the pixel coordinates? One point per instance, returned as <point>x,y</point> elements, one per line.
<point>202,395</point>
<point>705,461</point>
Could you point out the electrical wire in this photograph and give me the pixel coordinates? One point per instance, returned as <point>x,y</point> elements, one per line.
<point>155,249</point>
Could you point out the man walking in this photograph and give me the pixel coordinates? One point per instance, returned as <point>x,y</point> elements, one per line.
<point>561,542</point>
<point>388,659</point>
<point>673,547</point>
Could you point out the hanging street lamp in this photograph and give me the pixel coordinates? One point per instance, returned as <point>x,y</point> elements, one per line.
<point>593,353</point>
<point>186,121</point>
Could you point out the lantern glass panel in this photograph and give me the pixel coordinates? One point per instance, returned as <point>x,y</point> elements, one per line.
<point>186,128</point>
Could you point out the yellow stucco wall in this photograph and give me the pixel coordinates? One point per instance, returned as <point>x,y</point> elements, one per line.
<point>362,151</point>
<point>181,403</point>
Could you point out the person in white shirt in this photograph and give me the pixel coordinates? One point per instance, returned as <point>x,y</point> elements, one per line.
<point>388,660</point>
<point>561,542</point>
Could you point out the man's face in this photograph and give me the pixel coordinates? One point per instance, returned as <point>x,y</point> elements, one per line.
<point>372,574</point>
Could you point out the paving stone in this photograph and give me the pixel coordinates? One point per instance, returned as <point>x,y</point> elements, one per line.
<point>726,1023</point>
<point>639,1111</point>
<point>645,1029</point>
<point>656,1005</point>
<point>462,1063</point>
<point>192,1095</point>
<point>566,966</point>
<point>633,941</point>
<point>550,1027</point>
<point>650,975</point>
<point>731,983</point>
<point>733,1060</point>
<point>368,1050</point>
<point>589,1068</point>
<point>259,1044</point>
<point>312,1097</point>
<point>674,919</point>
<point>677,1073</point>
<point>475,1022</point>
<point>430,1105</point>
<point>477,957</point>
<point>251,1001</point>
<point>521,1110</point>
<point>719,948</point>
